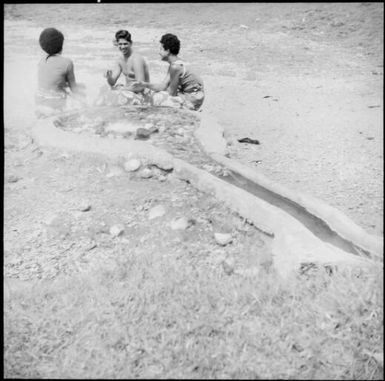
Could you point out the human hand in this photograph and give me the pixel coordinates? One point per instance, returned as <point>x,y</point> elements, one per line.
<point>138,86</point>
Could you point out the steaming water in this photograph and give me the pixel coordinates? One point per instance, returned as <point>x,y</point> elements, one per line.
<point>91,50</point>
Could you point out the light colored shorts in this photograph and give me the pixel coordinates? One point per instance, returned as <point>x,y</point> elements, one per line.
<point>119,96</point>
<point>49,102</point>
<point>190,101</point>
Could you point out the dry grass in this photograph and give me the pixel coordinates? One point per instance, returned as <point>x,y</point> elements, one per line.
<point>164,317</point>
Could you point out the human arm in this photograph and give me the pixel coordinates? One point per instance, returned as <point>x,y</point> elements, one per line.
<point>70,76</point>
<point>140,85</point>
<point>175,73</point>
<point>138,67</point>
<point>113,75</point>
<point>77,89</point>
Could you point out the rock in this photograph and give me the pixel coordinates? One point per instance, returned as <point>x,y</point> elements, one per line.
<point>181,223</point>
<point>90,245</point>
<point>228,265</point>
<point>162,178</point>
<point>142,133</point>
<point>146,173</point>
<point>85,206</point>
<point>116,230</point>
<point>223,239</point>
<point>180,131</point>
<point>156,211</point>
<point>132,165</point>
<point>13,179</point>
<point>147,126</point>
<point>165,165</point>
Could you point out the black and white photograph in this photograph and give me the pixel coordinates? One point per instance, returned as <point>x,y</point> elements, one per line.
<point>193,190</point>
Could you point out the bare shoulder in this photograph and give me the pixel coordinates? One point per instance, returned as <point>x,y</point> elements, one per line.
<point>66,60</point>
<point>136,57</point>
<point>176,68</point>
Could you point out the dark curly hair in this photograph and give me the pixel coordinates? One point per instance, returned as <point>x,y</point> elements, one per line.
<point>125,34</point>
<point>51,41</point>
<point>170,42</point>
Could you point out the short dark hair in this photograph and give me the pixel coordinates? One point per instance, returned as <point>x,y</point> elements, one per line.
<point>51,41</point>
<point>125,34</point>
<point>170,42</point>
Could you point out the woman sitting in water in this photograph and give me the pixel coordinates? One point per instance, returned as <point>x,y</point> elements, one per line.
<point>181,87</point>
<point>56,78</point>
<point>133,66</point>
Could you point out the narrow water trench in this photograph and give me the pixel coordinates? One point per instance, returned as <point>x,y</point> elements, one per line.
<point>192,153</point>
<point>317,226</point>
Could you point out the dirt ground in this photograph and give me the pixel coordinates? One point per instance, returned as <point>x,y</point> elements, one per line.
<point>304,79</point>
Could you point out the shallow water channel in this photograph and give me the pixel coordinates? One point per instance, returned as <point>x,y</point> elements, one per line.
<point>173,130</point>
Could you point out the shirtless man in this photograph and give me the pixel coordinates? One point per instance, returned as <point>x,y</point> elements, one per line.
<point>131,64</point>
<point>134,67</point>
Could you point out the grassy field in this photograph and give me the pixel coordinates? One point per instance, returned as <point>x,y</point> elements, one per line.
<point>150,317</point>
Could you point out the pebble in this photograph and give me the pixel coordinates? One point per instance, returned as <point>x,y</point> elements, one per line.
<point>116,230</point>
<point>156,211</point>
<point>142,133</point>
<point>146,173</point>
<point>181,223</point>
<point>223,239</point>
<point>132,165</point>
<point>13,179</point>
<point>165,165</point>
<point>228,265</point>
<point>162,178</point>
<point>180,131</point>
<point>85,206</point>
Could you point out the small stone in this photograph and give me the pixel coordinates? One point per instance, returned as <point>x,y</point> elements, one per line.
<point>132,165</point>
<point>146,173</point>
<point>162,178</point>
<point>85,206</point>
<point>223,239</point>
<point>13,179</point>
<point>148,125</point>
<point>181,223</point>
<point>156,211</point>
<point>116,230</point>
<point>91,245</point>
<point>180,131</point>
<point>228,266</point>
<point>165,165</point>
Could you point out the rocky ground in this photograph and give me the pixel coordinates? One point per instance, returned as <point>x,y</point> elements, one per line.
<point>303,79</point>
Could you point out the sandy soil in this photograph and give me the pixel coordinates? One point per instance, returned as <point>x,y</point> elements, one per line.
<point>304,79</point>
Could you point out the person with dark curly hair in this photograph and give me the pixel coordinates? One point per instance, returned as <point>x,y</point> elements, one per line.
<point>181,86</point>
<point>56,78</point>
<point>133,66</point>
